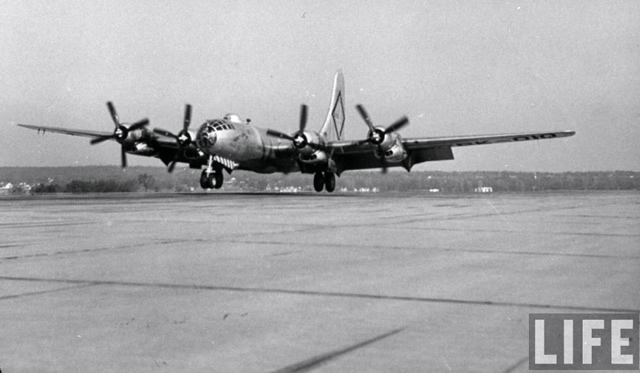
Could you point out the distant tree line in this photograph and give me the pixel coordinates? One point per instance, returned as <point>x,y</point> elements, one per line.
<point>87,186</point>
<point>460,182</point>
<point>467,182</point>
<point>144,181</point>
<point>106,179</point>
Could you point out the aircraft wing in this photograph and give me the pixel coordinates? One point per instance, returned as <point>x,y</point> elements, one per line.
<point>419,143</point>
<point>162,141</point>
<point>362,160</point>
<point>431,142</point>
<point>356,155</point>
<point>66,131</point>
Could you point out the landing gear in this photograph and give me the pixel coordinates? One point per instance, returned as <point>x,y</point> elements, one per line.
<point>318,182</point>
<point>211,178</point>
<point>206,180</point>
<point>326,180</point>
<point>330,181</point>
<point>218,178</point>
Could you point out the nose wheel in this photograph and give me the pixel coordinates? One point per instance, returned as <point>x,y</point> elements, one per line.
<point>211,179</point>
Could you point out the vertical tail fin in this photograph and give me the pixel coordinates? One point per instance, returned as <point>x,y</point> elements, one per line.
<point>334,123</point>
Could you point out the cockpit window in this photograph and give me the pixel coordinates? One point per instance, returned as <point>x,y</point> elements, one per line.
<point>220,125</point>
<point>217,124</point>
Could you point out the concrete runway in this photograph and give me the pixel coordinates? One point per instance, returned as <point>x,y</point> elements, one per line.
<point>297,283</point>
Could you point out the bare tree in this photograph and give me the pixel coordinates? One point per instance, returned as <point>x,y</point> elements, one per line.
<point>147,181</point>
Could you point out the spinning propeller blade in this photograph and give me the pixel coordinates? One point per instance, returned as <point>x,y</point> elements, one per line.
<point>366,117</point>
<point>123,155</point>
<point>377,135</point>
<point>397,125</point>
<point>120,133</point>
<point>299,139</point>
<point>139,124</point>
<point>114,114</point>
<point>274,133</point>
<point>187,118</point>
<point>183,138</point>
<point>303,118</point>
<point>98,140</point>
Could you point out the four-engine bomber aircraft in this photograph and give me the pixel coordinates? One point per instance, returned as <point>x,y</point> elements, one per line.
<point>231,143</point>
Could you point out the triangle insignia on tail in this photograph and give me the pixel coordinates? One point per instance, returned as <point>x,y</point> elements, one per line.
<point>338,116</point>
<point>334,123</point>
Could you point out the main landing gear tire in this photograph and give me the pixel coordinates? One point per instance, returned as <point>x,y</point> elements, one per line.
<point>211,180</point>
<point>329,181</point>
<point>206,180</point>
<point>218,178</point>
<point>318,181</point>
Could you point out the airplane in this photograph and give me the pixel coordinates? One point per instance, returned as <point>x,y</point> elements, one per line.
<point>231,143</point>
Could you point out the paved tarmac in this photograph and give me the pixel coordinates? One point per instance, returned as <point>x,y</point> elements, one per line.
<point>304,282</point>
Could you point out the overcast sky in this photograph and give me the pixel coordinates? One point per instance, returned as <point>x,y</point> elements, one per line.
<point>453,67</point>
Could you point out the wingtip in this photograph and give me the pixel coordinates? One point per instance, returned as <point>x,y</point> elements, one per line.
<point>29,126</point>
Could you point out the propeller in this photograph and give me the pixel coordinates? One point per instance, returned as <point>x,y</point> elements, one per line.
<point>183,138</point>
<point>121,132</point>
<point>299,140</point>
<point>378,135</point>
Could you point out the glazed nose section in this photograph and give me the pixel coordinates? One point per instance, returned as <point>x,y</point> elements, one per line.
<point>206,137</point>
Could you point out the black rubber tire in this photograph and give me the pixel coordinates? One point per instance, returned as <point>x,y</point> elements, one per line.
<point>204,183</point>
<point>329,181</point>
<point>318,182</point>
<point>218,179</point>
<point>210,181</point>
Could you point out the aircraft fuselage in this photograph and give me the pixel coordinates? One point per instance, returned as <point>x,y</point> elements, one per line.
<point>250,147</point>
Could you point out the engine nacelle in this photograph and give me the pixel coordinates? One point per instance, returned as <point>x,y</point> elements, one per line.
<point>142,148</point>
<point>395,153</point>
<point>391,149</point>
<point>192,153</point>
<point>317,156</point>
<point>132,137</point>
